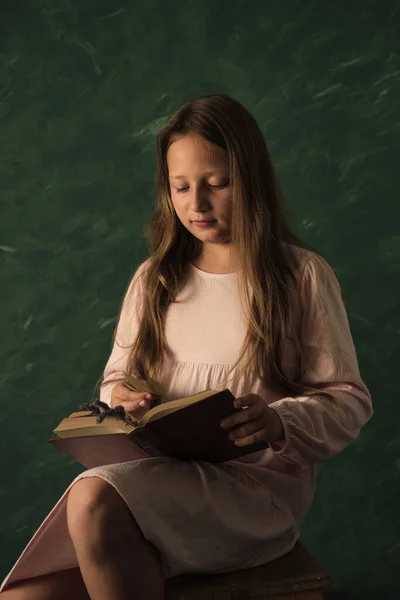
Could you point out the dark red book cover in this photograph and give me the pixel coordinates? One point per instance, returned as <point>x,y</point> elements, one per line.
<point>190,433</point>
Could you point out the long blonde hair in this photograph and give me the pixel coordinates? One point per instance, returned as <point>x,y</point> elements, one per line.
<point>263,239</point>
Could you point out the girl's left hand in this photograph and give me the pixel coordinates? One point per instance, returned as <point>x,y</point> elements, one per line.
<point>261,423</point>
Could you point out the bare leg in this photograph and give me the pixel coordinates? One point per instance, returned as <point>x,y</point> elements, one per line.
<point>114,558</point>
<point>62,585</point>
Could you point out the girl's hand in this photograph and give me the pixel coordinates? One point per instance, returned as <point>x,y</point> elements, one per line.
<point>135,403</point>
<point>261,423</point>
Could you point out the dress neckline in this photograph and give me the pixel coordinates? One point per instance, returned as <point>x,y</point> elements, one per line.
<point>207,274</point>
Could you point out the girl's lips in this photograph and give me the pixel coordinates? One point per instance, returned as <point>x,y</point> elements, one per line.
<point>203,223</point>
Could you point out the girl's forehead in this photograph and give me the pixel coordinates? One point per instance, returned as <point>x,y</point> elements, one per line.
<point>182,150</point>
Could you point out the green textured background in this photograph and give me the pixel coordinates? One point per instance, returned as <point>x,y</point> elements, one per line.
<point>83,87</point>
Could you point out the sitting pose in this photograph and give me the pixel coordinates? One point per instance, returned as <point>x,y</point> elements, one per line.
<point>229,297</point>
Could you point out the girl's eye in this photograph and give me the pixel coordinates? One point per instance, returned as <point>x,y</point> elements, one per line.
<point>214,187</point>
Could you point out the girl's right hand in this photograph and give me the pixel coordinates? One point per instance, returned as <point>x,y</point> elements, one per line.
<point>135,403</point>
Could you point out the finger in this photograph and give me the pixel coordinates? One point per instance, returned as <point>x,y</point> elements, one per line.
<point>258,436</point>
<point>242,416</point>
<point>131,405</point>
<point>150,401</point>
<point>247,400</point>
<point>245,430</point>
<point>128,396</point>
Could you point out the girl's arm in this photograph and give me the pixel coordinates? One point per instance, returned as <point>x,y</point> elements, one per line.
<point>317,428</point>
<point>125,335</point>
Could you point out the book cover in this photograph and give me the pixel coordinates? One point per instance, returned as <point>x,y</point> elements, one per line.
<point>185,429</point>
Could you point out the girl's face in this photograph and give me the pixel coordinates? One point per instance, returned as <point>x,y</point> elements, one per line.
<point>200,187</point>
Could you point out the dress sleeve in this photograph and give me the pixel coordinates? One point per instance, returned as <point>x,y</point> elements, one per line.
<point>316,428</point>
<point>125,335</point>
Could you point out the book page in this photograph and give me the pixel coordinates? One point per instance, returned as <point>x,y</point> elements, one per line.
<point>83,420</point>
<point>171,406</point>
<point>86,425</point>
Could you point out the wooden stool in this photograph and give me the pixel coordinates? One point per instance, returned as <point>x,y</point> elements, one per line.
<point>295,576</point>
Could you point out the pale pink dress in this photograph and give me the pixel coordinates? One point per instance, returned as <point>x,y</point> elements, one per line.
<point>205,517</point>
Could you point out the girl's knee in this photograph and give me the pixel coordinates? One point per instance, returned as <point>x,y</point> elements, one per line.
<point>91,500</point>
<point>96,511</point>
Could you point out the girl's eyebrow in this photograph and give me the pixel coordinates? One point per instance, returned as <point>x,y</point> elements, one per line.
<point>206,173</point>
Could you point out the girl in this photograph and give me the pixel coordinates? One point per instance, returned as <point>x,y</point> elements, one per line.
<point>229,297</point>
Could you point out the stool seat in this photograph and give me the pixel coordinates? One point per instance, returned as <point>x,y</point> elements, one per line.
<point>295,576</point>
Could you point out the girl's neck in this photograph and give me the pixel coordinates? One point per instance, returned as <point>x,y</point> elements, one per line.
<point>209,262</point>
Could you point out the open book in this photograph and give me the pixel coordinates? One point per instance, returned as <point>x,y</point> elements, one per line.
<point>186,429</point>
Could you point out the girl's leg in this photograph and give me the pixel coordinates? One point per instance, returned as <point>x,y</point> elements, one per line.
<point>115,560</point>
<point>62,585</point>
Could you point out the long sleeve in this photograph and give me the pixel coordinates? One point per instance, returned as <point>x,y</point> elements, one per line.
<point>317,428</point>
<point>125,336</point>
